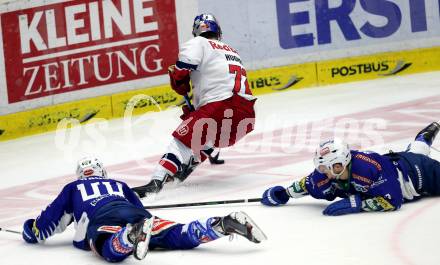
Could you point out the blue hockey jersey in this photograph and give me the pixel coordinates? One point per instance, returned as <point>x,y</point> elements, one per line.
<point>77,202</point>
<point>375,177</point>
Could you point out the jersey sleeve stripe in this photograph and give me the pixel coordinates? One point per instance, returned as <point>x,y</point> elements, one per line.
<point>188,66</point>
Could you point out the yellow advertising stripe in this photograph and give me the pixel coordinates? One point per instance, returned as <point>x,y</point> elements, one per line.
<point>378,66</point>
<point>261,82</point>
<point>433,62</point>
<point>282,78</point>
<point>46,119</point>
<point>145,100</point>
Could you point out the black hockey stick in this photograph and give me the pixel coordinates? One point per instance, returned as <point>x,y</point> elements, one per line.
<point>10,231</point>
<point>191,204</point>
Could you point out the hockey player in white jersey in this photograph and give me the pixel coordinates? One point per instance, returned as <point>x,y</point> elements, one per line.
<point>223,102</point>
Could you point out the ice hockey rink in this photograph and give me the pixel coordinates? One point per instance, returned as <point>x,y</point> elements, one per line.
<point>378,115</point>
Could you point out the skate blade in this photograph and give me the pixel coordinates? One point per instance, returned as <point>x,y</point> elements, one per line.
<point>256,231</point>
<point>141,248</point>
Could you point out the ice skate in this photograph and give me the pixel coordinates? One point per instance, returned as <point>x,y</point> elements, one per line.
<point>429,133</point>
<point>187,169</point>
<point>139,235</point>
<point>240,223</point>
<point>154,186</point>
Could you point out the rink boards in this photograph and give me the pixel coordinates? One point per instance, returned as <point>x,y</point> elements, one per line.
<point>87,60</point>
<point>271,80</point>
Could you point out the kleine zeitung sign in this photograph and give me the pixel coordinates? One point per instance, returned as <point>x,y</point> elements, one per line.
<point>76,45</point>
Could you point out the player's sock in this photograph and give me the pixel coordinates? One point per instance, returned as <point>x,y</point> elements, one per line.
<point>429,133</point>
<point>118,246</point>
<point>240,223</point>
<point>202,231</point>
<point>168,166</point>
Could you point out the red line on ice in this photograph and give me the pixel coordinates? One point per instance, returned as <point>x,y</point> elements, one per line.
<point>403,121</point>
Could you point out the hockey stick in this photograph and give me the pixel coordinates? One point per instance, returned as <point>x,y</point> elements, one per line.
<point>10,231</point>
<point>210,203</point>
<point>188,102</point>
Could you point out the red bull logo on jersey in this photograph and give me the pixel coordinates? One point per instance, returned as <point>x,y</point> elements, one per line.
<point>222,46</point>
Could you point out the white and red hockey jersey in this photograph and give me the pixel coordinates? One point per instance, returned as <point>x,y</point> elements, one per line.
<point>216,70</point>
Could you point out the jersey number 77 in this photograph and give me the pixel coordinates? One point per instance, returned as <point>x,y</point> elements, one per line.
<point>240,73</point>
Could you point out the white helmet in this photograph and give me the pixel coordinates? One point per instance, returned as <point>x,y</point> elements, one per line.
<point>90,167</point>
<point>332,152</point>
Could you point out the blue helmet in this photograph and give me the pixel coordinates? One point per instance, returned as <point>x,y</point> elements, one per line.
<point>206,23</point>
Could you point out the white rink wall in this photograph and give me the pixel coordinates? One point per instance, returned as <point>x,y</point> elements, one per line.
<point>267,33</point>
<point>274,33</point>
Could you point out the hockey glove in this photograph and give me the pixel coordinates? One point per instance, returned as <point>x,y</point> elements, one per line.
<point>179,79</point>
<point>28,233</point>
<point>275,196</point>
<point>348,205</point>
<point>186,111</point>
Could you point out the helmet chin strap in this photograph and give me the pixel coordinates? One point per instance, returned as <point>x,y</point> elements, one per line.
<point>338,176</point>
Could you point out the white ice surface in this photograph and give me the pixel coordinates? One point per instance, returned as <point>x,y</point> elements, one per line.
<point>34,169</point>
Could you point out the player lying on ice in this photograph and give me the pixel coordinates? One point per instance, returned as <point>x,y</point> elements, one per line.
<point>222,101</point>
<point>366,181</point>
<point>111,221</point>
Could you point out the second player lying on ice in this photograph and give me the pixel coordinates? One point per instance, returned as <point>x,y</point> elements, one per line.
<point>366,181</point>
